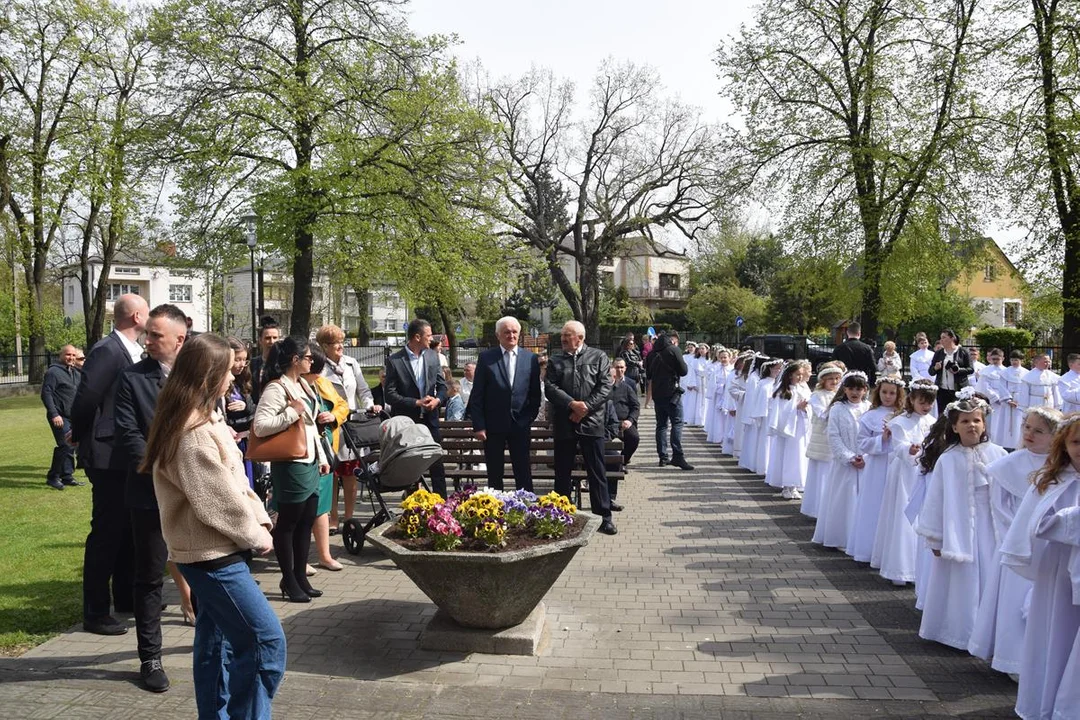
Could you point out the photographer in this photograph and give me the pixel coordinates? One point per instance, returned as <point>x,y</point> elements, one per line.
<point>665,365</point>
<point>950,367</point>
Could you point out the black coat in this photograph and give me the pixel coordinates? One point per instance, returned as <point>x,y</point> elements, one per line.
<point>496,407</point>
<point>585,376</point>
<point>857,355</point>
<point>58,390</point>
<point>136,399</point>
<point>92,423</point>
<point>401,391</point>
<point>625,398</point>
<point>964,368</point>
<point>664,366</point>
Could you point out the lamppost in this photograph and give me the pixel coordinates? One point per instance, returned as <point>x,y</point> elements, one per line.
<point>250,236</point>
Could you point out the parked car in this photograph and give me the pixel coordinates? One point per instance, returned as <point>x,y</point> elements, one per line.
<point>468,343</point>
<point>790,347</point>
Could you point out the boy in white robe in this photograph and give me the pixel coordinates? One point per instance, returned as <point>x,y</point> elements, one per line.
<point>690,384</point>
<point>1014,379</point>
<point>921,358</point>
<point>956,520</point>
<point>994,386</point>
<point>1039,386</point>
<point>1070,386</point>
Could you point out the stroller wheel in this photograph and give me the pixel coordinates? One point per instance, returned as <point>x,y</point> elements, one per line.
<point>352,536</point>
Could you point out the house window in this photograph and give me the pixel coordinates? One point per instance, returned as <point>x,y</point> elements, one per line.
<point>179,293</point>
<point>119,270</point>
<point>990,272</point>
<point>669,281</point>
<point>1011,312</point>
<point>71,294</point>
<point>390,324</point>
<point>115,290</point>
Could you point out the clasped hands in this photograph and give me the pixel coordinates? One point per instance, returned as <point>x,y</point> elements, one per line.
<point>429,403</point>
<point>578,410</point>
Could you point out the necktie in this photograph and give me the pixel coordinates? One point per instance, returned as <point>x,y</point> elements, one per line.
<point>508,363</point>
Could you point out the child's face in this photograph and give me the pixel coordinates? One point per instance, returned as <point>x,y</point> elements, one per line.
<point>1037,434</point>
<point>1075,366</point>
<point>239,363</point>
<point>1072,446</point>
<point>803,375</point>
<point>854,394</point>
<point>970,427</point>
<point>1014,362</point>
<point>887,394</point>
<point>774,370</point>
<point>921,405</point>
<point>995,359</point>
<point>923,343</point>
<point>830,382</point>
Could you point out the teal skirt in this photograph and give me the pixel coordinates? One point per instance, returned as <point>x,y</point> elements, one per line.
<point>293,482</point>
<point>326,494</point>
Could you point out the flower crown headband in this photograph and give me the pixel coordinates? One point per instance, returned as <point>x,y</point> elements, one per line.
<point>1052,416</point>
<point>854,374</point>
<point>1068,421</point>
<point>922,385</point>
<point>967,396</point>
<point>831,370</point>
<point>774,361</point>
<point>888,379</point>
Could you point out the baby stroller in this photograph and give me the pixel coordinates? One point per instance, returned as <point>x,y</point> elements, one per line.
<point>406,451</point>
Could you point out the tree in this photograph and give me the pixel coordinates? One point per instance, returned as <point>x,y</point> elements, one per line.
<point>858,114</point>
<point>306,110</point>
<point>635,164</point>
<point>809,293</point>
<point>713,310</point>
<point>44,48</point>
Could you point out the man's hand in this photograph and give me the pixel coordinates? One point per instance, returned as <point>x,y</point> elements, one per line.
<point>57,421</point>
<point>626,424</point>
<point>430,403</point>
<point>578,410</point>
<point>481,435</point>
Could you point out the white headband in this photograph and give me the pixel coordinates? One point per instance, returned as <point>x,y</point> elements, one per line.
<point>831,370</point>
<point>898,382</point>
<point>922,385</point>
<point>854,374</point>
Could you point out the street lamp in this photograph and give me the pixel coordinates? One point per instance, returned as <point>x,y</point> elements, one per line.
<point>251,237</point>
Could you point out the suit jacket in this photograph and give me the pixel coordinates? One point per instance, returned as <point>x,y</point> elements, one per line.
<point>625,399</point>
<point>401,391</point>
<point>964,367</point>
<point>857,355</point>
<point>493,404</point>
<point>58,390</point>
<point>585,376</point>
<point>92,424</point>
<point>136,399</point>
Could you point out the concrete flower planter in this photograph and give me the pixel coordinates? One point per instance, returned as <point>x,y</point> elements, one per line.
<point>486,591</point>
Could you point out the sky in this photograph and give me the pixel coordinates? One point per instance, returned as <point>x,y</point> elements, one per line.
<point>677,39</point>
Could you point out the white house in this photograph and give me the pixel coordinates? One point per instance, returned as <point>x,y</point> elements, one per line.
<point>132,272</point>
<point>651,272</point>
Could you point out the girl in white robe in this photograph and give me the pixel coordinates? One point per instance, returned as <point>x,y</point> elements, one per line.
<point>999,624</point>
<point>956,520</point>
<point>1043,544</point>
<point>1014,380</point>
<point>792,429</point>
<point>896,546</point>
<point>875,446</point>
<point>770,371</point>
<point>704,389</point>
<point>690,385</point>
<point>921,358</point>
<point>736,402</point>
<point>995,388</point>
<point>751,418</point>
<point>848,405</point>
<point>717,424</point>
<point>818,455</point>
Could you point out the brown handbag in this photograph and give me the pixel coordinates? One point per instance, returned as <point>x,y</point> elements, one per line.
<point>287,445</point>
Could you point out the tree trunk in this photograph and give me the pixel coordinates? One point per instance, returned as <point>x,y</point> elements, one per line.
<point>451,335</point>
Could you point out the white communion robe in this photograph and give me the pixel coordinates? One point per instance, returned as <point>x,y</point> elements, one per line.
<point>896,545</point>
<point>876,451</point>
<point>995,386</point>
<point>736,392</point>
<point>819,457</point>
<point>1014,380</point>
<point>705,391</point>
<point>1069,387</point>
<point>956,520</point>
<point>752,418</point>
<point>838,505</point>
<point>999,624</point>
<point>691,390</point>
<point>1043,544</point>
<point>920,364</point>
<point>1039,388</point>
<point>792,438</point>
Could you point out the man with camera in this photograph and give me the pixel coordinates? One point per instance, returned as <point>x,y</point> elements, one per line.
<point>664,366</point>
<point>951,367</point>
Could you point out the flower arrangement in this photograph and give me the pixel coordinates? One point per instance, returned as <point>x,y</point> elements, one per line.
<point>485,517</point>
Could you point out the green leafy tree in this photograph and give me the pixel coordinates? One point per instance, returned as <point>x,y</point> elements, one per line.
<point>809,295</point>
<point>713,310</point>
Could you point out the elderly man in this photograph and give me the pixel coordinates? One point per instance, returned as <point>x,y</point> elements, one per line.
<point>578,385</point>
<point>109,553</point>
<point>504,403</point>
<point>58,394</point>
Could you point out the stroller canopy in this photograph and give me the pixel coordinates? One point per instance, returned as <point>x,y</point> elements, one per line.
<point>406,451</point>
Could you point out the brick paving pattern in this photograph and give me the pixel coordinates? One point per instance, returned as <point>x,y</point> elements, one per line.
<point>710,602</point>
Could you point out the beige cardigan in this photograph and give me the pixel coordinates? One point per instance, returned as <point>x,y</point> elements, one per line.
<point>207,509</point>
<point>273,414</point>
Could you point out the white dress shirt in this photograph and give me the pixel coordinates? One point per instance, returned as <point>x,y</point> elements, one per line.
<point>134,349</point>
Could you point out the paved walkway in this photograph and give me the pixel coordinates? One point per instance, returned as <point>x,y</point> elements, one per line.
<point>710,602</point>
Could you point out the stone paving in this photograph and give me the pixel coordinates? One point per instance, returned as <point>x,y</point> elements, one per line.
<point>710,602</point>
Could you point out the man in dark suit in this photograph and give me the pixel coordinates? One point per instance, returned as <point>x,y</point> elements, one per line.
<point>578,384</point>
<point>951,367</point>
<point>504,402</point>
<point>108,546</point>
<point>857,355</point>
<point>624,397</point>
<point>269,333</point>
<point>415,387</point>
<point>57,394</point>
<point>136,398</point>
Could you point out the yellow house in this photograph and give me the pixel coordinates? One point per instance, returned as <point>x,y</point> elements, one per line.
<point>994,282</point>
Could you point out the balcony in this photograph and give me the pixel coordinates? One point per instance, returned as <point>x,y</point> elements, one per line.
<point>655,293</point>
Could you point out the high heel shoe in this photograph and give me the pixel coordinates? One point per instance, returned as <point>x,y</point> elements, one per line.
<point>312,591</point>
<point>303,597</point>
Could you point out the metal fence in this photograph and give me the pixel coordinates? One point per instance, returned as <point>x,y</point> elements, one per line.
<point>15,369</point>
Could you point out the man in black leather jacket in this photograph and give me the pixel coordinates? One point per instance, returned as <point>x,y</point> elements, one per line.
<point>578,384</point>
<point>665,365</point>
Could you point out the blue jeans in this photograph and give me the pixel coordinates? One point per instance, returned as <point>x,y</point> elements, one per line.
<point>669,410</point>
<point>239,650</point>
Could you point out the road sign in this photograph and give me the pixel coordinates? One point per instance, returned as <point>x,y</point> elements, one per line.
<point>739,321</point>
<point>457,329</point>
<point>404,326</point>
<point>535,332</point>
<point>651,331</point>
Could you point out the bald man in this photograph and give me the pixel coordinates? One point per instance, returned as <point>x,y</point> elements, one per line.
<point>58,394</point>
<point>109,559</point>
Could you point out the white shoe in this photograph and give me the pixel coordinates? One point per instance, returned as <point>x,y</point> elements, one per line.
<point>786,493</point>
<point>795,494</point>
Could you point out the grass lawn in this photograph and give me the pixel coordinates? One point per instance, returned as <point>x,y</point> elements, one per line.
<point>43,531</point>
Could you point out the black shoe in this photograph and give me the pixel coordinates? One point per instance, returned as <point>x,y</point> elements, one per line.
<point>682,464</point>
<point>153,676</point>
<point>54,484</point>
<point>663,462</point>
<point>312,592</point>
<point>616,507</point>
<point>607,527</point>
<point>72,482</point>
<point>303,597</point>
<point>107,625</point>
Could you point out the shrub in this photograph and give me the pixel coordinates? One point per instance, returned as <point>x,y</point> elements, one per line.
<point>1004,338</point>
